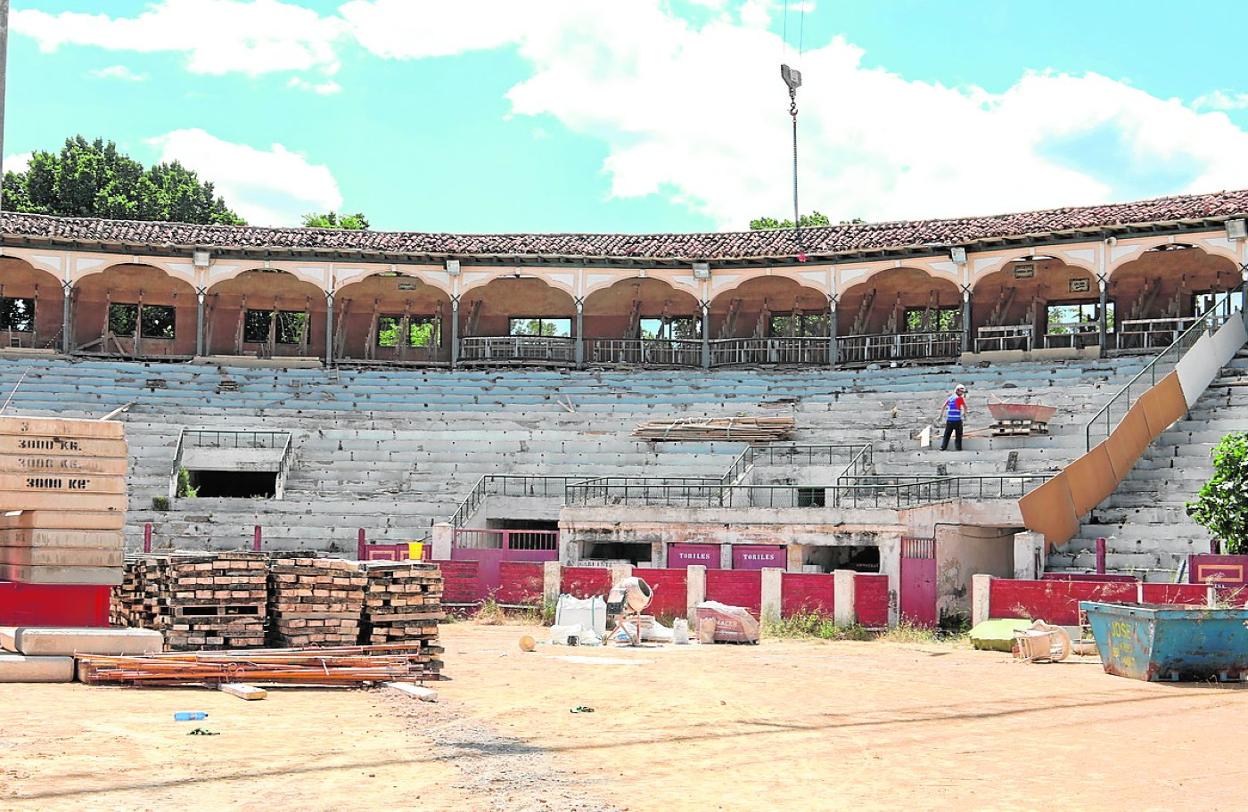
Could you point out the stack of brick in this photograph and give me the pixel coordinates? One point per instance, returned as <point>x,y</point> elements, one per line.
<point>403,604</point>
<point>315,602</point>
<point>125,598</point>
<point>199,601</point>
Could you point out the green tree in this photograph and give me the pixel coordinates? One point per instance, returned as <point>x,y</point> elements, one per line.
<point>93,179</point>
<point>349,222</point>
<point>811,220</point>
<point>1222,504</point>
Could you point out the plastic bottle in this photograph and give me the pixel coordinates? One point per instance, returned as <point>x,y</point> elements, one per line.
<point>190,716</point>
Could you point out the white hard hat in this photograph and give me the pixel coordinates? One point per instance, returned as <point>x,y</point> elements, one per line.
<point>959,388</point>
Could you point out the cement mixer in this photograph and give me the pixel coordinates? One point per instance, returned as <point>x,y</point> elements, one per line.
<point>627,599</point>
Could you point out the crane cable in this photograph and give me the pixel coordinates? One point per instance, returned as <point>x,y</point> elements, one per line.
<point>793,78</point>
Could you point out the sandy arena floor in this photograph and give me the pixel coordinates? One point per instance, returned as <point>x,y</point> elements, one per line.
<point>784,725</point>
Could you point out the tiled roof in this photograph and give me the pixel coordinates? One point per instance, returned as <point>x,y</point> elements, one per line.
<point>715,246</point>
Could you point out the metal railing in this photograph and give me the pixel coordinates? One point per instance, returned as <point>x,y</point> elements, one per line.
<point>232,438</point>
<point>867,492</point>
<point>809,351</point>
<point>517,348</point>
<point>899,347</point>
<point>283,468</point>
<point>1005,337</point>
<point>1111,414</point>
<point>1073,334</point>
<point>1150,334</point>
<point>476,538</point>
<point>678,352</point>
<point>519,485</point>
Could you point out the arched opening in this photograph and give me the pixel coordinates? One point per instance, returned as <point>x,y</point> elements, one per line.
<point>31,306</point>
<point>643,322</point>
<point>1037,301</point>
<point>900,314</point>
<point>392,318</point>
<point>517,320</point>
<point>134,311</point>
<point>769,320</point>
<point>266,314</point>
<point>1164,291</point>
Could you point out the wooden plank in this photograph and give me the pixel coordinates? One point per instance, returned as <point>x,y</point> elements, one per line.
<point>105,576</point>
<point>45,464</point>
<point>63,427</point>
<point>39,538</point>
<point>51,501</point>
<point>61,557</point>
<point>249,692</point>
<point>29,518</point>
<point>57,482</point>
<point>53,446</point>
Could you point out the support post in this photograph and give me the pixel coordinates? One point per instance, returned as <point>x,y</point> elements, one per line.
<point>147,537</point>
<point>1100,556</point>
<point>361,545</point>
<point>580,333</point>
<point>1028,556</point>
<point>832,350</point>
<point>706,335</point>
<point>773,594</point>
<point>443,536</point>
<point>966,319</point>
<point>695,591</point>
<point>329,329</point>
<point>199,323</point>
<point>843,612</point>
<point>67,320</point>
<point>256,540</point>
<point>552,577</point>
<point>1102,333</point>
<point>454,331</point>
<point>981,590</point>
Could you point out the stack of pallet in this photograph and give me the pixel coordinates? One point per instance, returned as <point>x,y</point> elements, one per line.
<point>703,429</point>
<point>315,601</point>
<point>403,604</point>
<point>199,601</point>
<point>62,500</point>
<point>124,606</point>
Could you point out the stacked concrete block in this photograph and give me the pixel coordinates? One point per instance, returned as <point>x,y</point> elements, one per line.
<point>403,604</point>
<point>315,602</point>
<point>63,497</point>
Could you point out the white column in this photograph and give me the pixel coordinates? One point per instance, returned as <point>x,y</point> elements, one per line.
<point>695,590</point>
<point>981,586</point>
<point>773,593</point>
<point>725,556</point>
<point>552,577</point>
<point>443,535</point>
<point>843,612</point>
<point>1028,556</point>
<point>890,565</point>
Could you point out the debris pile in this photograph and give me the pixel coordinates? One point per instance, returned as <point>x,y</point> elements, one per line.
<point>739,429</point>
<point>315,601</point>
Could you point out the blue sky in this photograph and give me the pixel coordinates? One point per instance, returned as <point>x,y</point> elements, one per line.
<point>646,115</point>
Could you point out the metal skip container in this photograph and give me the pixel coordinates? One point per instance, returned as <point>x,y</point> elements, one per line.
<point>1170,642</point>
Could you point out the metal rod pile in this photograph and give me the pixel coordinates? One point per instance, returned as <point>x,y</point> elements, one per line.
<point>739,429</point>
<point>342,665</point>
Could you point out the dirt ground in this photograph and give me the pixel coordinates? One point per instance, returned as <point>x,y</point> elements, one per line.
<point>783,725</point>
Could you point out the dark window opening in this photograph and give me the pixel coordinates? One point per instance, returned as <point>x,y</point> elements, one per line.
<point>159,321</point>
<point>936,320</point>
<point>17,315</point>
<point>673,328</point>
<point>234,484</point>
<point>796,325</point>
<point>422,331</point>
<point>812,497</point>
<point>522,524</point>
<point>289,328</point>
<point>1066,317</point>
<point>632,552</point>
<point>541,326</point>
<point>859,558</point>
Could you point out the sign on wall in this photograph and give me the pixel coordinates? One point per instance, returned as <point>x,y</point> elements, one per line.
<point>1079,285</point>
<point>759,556</point>
<point>688,555</point>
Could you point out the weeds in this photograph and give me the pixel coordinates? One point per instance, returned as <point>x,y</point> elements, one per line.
<point>814,625</point>
<point>185,489</point>
<point>492,613</point>
<point>906,632</point>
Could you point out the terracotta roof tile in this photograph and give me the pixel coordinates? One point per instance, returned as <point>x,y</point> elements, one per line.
<point>717,246</point>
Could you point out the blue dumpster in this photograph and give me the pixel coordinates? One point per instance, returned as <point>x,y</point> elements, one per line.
<point>1170,642</point>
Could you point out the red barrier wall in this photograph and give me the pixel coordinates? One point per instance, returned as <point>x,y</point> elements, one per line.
<point>585,582</point>
<point>1088,576</point>
<point>871,600</point>
<point>460,583</point>
<point>53,604</point>
<point>803,593</point>
<point>671,593</point>
<point>1052,601</point>
<point>1175,594</point>
<point>1234,595</point>
<point>736,588</point>
<point>521,583</point>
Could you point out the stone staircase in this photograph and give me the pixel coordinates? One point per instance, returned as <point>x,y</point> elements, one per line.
<point>1145,522</point>
<point>394,451</point>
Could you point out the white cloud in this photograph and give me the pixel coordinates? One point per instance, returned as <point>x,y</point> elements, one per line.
<point>266,187</point>
<point>18,163</point>
<point>217,36</point>
<point>325,88</point>
<point>117,72</point>
<point>699,114</point>
<point>1222,100</point>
